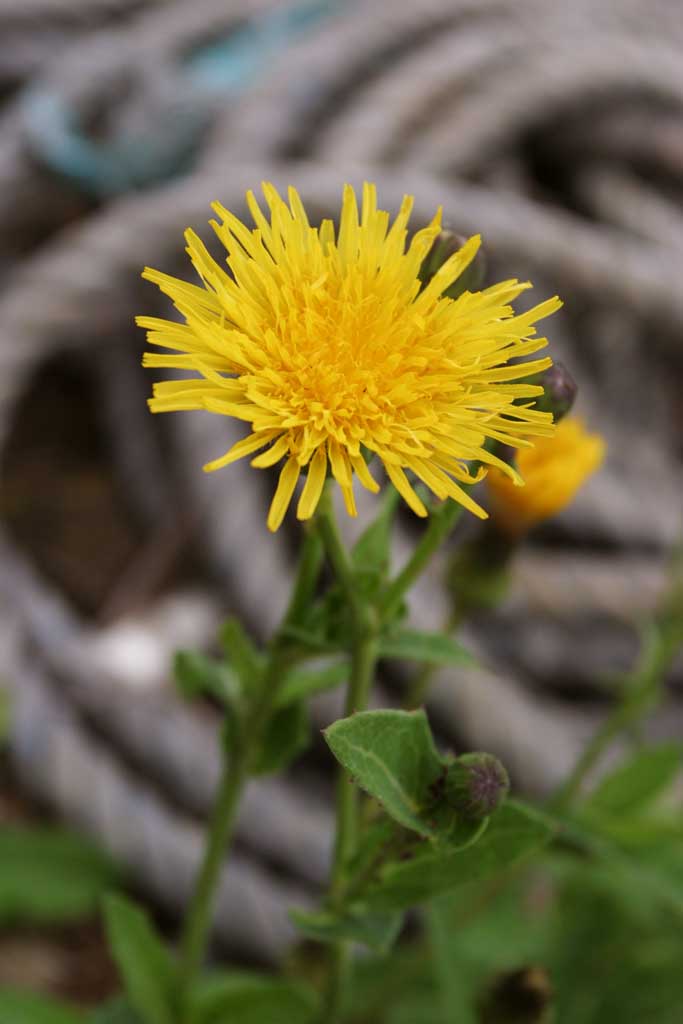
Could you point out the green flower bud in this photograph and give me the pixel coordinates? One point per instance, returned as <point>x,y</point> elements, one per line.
<point>445,245</point>
<point>523,996</point>
<point>475,786</point>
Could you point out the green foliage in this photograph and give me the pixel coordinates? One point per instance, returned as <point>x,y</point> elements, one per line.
<point>637,782</point>
<point>371,553</point>
<point>431,648</point>
<point>515,833</point>
<point>288,734</point>
<point>48,875</point>
<point>27,1008</point>
<point>119,1011</point>
<point>197,675</point>
<point>245,998</point>
<point>299,684</point>
<point>146,967</point>
<point>378,930</point>
<point>241,653</point>
<point>391,755</point>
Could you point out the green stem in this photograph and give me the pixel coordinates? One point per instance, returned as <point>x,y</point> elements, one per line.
<point>364,648</point>
<point>236,772</point>
<point>640,692</point>
<point>440,524</point>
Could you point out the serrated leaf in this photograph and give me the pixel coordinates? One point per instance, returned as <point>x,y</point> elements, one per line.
<point>27,1008</point>
<point>241,652</point>
<point>146,967</point>
<point>433,648</point>
<point>288,735</point>
<point>244,998</point>
<point>514,833</point>
<point>636,783</point>
<point>198,675</point>
<point>378,930</point>
<point>391,755</point>
<point>50,875</point>
<point>117,1012</point>
<point>301,684</point>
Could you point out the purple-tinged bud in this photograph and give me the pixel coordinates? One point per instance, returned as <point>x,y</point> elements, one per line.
<point>445,245</point>
<point>476,785</point>
<point>559,391</point>
<point>524,996</point>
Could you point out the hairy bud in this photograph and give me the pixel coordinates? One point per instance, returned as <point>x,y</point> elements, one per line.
<point>476,784</point>
<point>445,245</point>
<point>559,391</point>
<point>524,996</point>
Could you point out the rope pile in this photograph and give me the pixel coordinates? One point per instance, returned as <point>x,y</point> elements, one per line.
<point>552,129</point>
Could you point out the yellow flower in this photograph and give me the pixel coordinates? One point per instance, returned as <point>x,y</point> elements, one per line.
<point>553,471</point>
<point>325,345</point>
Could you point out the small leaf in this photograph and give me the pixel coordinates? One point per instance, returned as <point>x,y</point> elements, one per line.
<point>26,1008</point>
<point>301,684</point>
<point>197,675</point>
<point>288,735</point>
<point>117,1012</point>
<point>244,998</point>
<point>378,930</point>
<point>391,755</point>
<point>241,652</point>
<point>146,967</point>
<point>434,648</point>
<point>371,553</point>
<point>50,875</point>
<point>514,833</point>
<point>637,782</point>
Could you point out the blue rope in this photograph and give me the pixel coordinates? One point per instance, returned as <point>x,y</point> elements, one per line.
<point>224,67</point>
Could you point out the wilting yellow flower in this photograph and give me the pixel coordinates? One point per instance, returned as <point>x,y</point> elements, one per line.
<point>324,344</point>
<point>553,471</point>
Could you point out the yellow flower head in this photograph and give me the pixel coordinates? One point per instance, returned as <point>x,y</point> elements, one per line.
<point>324,344</point>
<point>553,470</point>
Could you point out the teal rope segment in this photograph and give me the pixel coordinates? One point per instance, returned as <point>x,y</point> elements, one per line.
<point>168,147</point>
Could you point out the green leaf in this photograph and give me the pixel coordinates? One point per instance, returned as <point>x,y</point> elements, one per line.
<point>300,684</point>
<point>378,930</point>
<point>244,998</point>
<point>391,755</point>
<point>637,782</point>
<point>241,652</point>
<point>514,833</point>
<point>371,553</point>
<point>48,875</point>
<point>197,675</point>
<point>117,1012</point>
<point>435,648</point>
<point>288,735</point>
<point>146,967</point>
<point>27,1008</point>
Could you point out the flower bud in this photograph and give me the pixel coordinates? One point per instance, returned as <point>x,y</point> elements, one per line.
<point>523,996</point>
<point>445,245</point>
<point>559,391</point>
<point>476,784</point>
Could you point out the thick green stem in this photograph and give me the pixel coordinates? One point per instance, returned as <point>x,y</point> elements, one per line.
<point>236,772</point>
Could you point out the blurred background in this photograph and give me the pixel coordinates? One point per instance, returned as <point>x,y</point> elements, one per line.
<point>555,130</point>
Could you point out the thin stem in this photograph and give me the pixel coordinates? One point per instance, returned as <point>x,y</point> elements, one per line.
<point>441,522</point>
<point>236,772</point>
<point>640,692</point>
<point>363,659</point>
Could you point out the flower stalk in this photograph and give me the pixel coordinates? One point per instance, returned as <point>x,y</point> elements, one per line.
<point>236,770</point>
